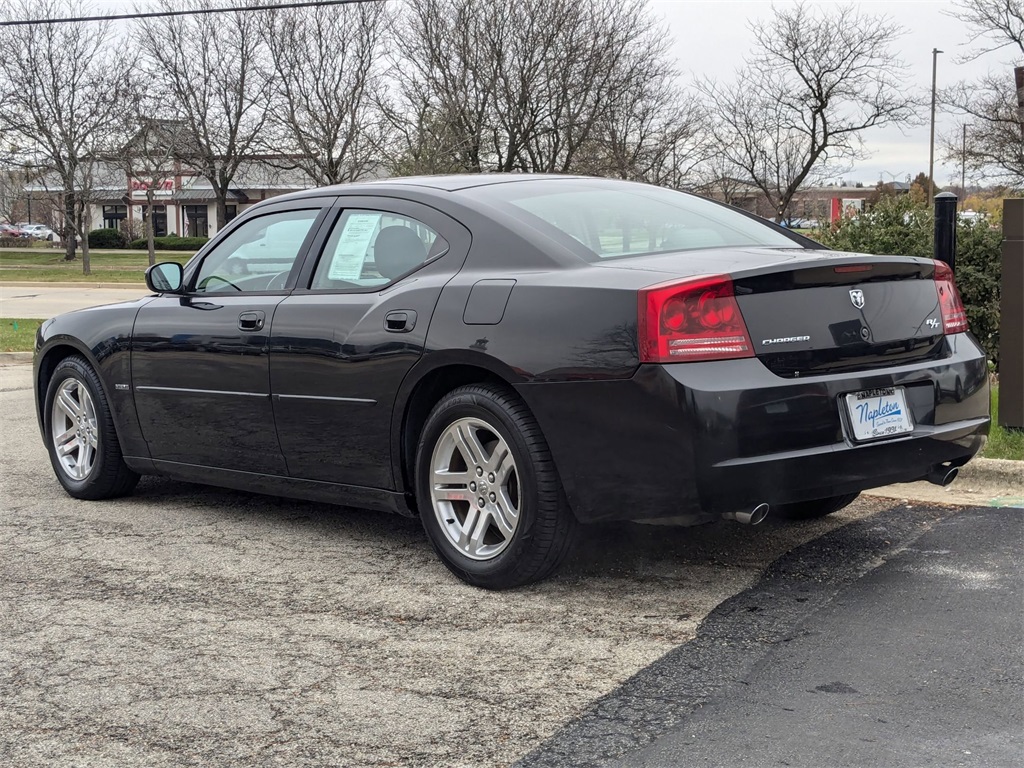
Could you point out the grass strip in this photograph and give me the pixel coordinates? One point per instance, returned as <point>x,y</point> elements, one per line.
<point>1003,443</point>
<point>18,334</point>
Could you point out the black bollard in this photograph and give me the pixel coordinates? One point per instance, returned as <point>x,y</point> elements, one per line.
<point>945,228</point>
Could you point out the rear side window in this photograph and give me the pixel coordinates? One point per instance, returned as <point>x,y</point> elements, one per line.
<point>368,248</point>
<point>612,219</point>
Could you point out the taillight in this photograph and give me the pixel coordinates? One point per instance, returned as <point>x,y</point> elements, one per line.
<point>695,319</point>
<point>954,317</point>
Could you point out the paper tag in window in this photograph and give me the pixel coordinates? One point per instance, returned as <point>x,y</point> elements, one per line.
<point>350,254</point>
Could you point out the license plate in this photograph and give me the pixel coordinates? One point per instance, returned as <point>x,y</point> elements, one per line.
<point>876,413</point>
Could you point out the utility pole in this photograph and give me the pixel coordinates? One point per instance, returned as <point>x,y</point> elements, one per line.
<point>931,142</point>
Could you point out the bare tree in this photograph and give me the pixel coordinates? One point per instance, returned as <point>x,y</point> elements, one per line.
<point>714,180</point>
<point>214,72</point>
<point>13,180</point>
<point>815,82</point>
<point>446,83</point>
<point>655,133</point>
<point>993,25</point>
<point>420,139</point>
<point>65,92</point>
<point>599,56</point>
<point>538,85</point>
<point>994,146</point>
<point>150,159</point>
<point>326,74</point>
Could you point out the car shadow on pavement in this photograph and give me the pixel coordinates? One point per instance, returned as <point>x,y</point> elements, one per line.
<point>603,555</point>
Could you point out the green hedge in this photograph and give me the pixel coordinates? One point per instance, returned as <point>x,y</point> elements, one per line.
<point>898,226</point>
<point>978,276</point>
<point>171,243</point>
<point>108,238</point>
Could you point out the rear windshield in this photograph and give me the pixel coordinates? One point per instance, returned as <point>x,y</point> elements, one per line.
<point>615,219</point>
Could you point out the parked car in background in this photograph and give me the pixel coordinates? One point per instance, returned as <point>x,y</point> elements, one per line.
<point>38,231</point>
<point>510,356</point>
<point>800,223</point>
<point>9,231</point>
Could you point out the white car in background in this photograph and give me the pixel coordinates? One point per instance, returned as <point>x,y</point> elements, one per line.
<point>38,231</point>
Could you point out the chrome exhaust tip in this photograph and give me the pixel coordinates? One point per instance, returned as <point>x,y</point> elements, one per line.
<point>752,517</point>
<point>943,475</point>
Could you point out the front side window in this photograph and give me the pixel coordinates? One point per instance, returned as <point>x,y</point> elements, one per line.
<point>612,219</point>
<point>373,248</point>
<point>258,255</point>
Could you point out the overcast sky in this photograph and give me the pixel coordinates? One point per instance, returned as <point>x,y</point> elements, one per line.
<point>711,37</point>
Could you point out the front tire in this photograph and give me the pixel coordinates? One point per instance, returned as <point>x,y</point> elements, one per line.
<point>80,435</point>
<point>488,493</point>
<point>812,510</point>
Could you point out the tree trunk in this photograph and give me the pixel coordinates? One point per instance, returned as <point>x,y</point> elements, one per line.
<point>150,229</point>
<point>83,227</point>
<point>69,226</point>
<point>222,208</point>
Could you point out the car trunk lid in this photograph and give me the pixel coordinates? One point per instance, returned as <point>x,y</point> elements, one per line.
<point>812,312</point>
<point>853,314</point>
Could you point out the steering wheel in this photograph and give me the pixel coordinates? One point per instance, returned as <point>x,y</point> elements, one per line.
<point>211,278</point>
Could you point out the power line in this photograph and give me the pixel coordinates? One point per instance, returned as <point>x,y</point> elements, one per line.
<point>192,12</point>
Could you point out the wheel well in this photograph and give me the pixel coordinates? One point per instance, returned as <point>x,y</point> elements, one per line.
<point>47,365</point>
<point>428,392</point>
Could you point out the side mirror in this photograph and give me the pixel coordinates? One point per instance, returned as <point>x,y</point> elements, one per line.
<point>165,277</point>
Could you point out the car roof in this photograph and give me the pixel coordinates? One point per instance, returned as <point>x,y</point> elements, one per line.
<point>445,183</point>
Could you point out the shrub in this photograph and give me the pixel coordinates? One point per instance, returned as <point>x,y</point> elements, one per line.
<point>108,238</point>
<point>172,243</point>
<point>132,229</point>
<point>900,227</point>
<point>978,275</point>
<point>896,226</point>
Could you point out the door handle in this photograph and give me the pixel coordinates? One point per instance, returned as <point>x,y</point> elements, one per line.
<point>400,321</point>
<point>251,321</point>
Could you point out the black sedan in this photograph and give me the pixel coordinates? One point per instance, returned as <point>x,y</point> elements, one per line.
<point>510,356</point>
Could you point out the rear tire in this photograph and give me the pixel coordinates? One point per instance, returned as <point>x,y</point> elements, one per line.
<point>488,493</point>
<point>811,510</point>
<point>80,436</point>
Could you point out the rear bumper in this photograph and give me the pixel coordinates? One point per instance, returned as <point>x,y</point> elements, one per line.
<point>699,439</point>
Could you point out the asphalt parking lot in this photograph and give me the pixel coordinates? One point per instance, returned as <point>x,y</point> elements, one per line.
<point>193,626</point>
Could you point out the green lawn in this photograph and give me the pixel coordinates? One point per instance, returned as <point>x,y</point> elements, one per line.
<point>1002,443</point>
<point>106,266</point>
<point>18,334</point>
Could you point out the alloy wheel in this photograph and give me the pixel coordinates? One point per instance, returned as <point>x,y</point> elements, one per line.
<point>74,430</point>
<point>474,488</point>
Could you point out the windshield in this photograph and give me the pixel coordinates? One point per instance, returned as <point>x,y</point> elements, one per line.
<point>615,219</point>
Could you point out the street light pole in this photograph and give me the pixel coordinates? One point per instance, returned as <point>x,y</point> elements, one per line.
<point>931,141</point>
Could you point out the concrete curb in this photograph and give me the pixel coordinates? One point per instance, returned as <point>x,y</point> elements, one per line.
<point>15,358</point>
<point>29,284</point>
<point>1001,471</point>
